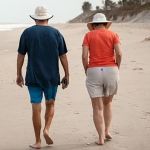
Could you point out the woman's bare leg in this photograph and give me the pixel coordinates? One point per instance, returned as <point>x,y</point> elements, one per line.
<point>98,118</point>
<point>107,103</point>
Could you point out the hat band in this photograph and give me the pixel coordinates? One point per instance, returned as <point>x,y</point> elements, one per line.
<point>42,14</point>
<point>100,20</point>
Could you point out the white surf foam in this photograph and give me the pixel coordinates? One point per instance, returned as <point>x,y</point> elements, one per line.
<point>9,27</point>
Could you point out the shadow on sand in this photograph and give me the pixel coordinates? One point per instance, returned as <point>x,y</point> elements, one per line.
<point>66,147</point>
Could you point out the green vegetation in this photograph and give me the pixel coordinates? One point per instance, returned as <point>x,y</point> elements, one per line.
<point>86,7</point>
<point>113,10</point>
<point>109,5</point>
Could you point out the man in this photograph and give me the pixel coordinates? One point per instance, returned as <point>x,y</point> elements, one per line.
<point>44,46</point>
<point>101,59</point>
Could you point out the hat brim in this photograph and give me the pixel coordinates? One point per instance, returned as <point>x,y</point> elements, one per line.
<point>89,25</point>
<point>41,17</point>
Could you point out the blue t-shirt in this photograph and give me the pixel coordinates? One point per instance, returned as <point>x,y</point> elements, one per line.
<point>44,45</point>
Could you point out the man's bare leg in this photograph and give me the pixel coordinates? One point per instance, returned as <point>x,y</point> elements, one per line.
<point>107,103</point>
<point>36,118</point>
<point>98,119</point>
<point>49,113</point>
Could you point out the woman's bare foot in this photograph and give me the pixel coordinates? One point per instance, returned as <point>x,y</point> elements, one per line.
<point>48,140</point>
<point>108,136</point>
<point>100,142</point>
<point>36,145</point>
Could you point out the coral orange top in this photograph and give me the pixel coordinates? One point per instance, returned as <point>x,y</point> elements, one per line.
<point>101,47</point>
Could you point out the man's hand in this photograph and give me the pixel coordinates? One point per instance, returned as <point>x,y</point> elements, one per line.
<point>20,81</point>
<point>65,79</point>
<point>65,82</point>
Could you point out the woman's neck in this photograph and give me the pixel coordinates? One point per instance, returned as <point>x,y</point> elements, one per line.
<point>100,27</point>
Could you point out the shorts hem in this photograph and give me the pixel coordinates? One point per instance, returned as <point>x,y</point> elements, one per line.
<point>97,96</point>
<point>101,96</point>
<point>50,99</point>
<point>35,102</point>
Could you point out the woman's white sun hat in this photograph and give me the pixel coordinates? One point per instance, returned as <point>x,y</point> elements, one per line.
<point>99,18</point>
<point>41,13</point>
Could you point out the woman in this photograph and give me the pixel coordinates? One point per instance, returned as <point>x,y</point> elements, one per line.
<point>101,59</point>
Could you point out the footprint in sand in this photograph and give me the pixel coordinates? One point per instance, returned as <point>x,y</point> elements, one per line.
<point>115,132</point>
<point>133,61</point>
<point>138,68</point>
<point>76,113</point>
<point>147,113</point>
<point>147,39</point>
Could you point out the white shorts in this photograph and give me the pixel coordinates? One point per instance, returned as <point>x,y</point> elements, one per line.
<point>102,81</point>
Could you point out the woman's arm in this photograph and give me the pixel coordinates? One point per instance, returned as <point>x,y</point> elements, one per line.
<point>118,53</point>
<point>85,53</point>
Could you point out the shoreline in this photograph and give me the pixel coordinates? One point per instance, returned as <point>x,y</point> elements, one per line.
<point>14,26</point>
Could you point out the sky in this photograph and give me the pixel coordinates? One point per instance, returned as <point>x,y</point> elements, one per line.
<point>18,11</point>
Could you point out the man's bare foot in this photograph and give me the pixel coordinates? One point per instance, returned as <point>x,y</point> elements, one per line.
<point>35,146</point>
<point>48,140</point>
<point>108,136</point>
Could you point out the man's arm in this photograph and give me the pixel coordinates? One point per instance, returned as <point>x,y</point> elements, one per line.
<point>85,51</point>
<point>118,53</point>
<point>64,62</point>
<point>20,61</point>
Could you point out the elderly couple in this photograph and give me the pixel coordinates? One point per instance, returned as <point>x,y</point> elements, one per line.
<point>101,59</point>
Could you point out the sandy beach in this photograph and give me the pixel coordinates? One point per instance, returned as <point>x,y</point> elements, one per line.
<point>72,127</point>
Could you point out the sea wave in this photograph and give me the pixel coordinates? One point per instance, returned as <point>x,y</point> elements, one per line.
<point>9,27</point>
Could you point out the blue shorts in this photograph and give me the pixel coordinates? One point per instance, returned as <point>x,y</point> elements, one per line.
<point>36,93</point>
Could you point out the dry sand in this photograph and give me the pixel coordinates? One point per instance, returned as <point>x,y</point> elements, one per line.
<point>72,127</point>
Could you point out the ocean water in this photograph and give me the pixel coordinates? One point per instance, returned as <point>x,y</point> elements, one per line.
<point>9,27</point>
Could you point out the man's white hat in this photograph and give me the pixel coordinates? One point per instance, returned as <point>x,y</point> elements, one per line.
<point>99,18</point>
<point>41,13</point>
